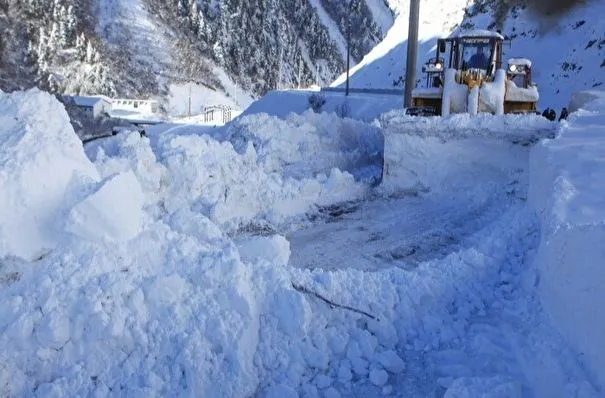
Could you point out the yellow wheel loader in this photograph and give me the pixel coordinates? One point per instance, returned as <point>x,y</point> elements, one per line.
<point>467,76</point>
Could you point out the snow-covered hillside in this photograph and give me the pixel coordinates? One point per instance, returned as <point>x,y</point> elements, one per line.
<point>384,66</point>
<point>140,48</point>
<point>568,52</point>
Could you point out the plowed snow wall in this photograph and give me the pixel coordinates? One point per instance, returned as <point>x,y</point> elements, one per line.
<point>567,189</point>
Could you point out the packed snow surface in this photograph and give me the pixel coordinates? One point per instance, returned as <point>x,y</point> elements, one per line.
<point>230,262</point>
<point>462,32</point>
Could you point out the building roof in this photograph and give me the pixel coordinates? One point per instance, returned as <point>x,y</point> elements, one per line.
<point>86,101</point>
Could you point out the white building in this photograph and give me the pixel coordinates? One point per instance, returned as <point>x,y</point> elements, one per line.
<point>135,105</point>
<point>95,106</point>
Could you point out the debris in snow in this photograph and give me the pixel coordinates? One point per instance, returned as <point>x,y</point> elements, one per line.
<point>331,303</point>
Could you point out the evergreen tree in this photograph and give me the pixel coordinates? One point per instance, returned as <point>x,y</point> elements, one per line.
<point>70,27</point>
<point>90,52</point>
<point>81,47</point>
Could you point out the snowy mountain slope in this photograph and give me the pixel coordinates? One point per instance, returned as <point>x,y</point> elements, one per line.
<point>129,23</point>
<point>384,66</point>
<point>332,27</point>
<point>383,14</point>
<point>568,51</point>
<point>140,47</point>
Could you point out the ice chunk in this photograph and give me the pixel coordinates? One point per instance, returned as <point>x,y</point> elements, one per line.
<point>391,361</point>
<point>112,213</point>
<point>379,377</point>
<point>39,156</point>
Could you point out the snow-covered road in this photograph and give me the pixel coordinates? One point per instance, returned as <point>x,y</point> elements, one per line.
<point>458,249</point>
<point>249,260</point>
<point>382,233</point>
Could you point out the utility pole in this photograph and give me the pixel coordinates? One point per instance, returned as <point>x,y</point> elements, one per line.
<point>410,69</point>
<point>189,111</point>
<point>236,94</point>
<point>348,45</point>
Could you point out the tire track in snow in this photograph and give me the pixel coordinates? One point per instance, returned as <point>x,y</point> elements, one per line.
<point>386,233</point>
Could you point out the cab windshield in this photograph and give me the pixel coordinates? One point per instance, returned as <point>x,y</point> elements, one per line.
<point>475,54</point>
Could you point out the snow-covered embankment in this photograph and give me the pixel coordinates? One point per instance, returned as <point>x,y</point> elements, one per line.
<point>118,274</point>
<point>567,177</point>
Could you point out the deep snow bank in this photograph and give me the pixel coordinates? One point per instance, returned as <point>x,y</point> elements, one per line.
<point>306,145</point>
<point>259,169</point>
<point>150,296</point>
<point>41,161</point>
<point>450,155</point>
<point>144,292</point>
<point>364,107</point>
<point>566,189</point>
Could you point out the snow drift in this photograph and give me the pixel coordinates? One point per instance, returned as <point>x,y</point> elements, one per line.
<point>140,290</point>
<point>566,190</point>
<point>358,106</point>
<point>452,154</point>
<point>41,162</point>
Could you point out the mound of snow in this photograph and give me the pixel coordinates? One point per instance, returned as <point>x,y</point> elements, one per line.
<point>274,249</point>
<point>113,212</point>
<point>126,152</point>
<point>287,145</point>
<point>441,154</point>
<point>40,157</point>
<point>159,292</point>
<point>358,106</point>
<point>256,169</point>
<point>567,191</point>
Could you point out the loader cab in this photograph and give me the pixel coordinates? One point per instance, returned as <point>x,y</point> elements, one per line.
<point>477,51</point>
